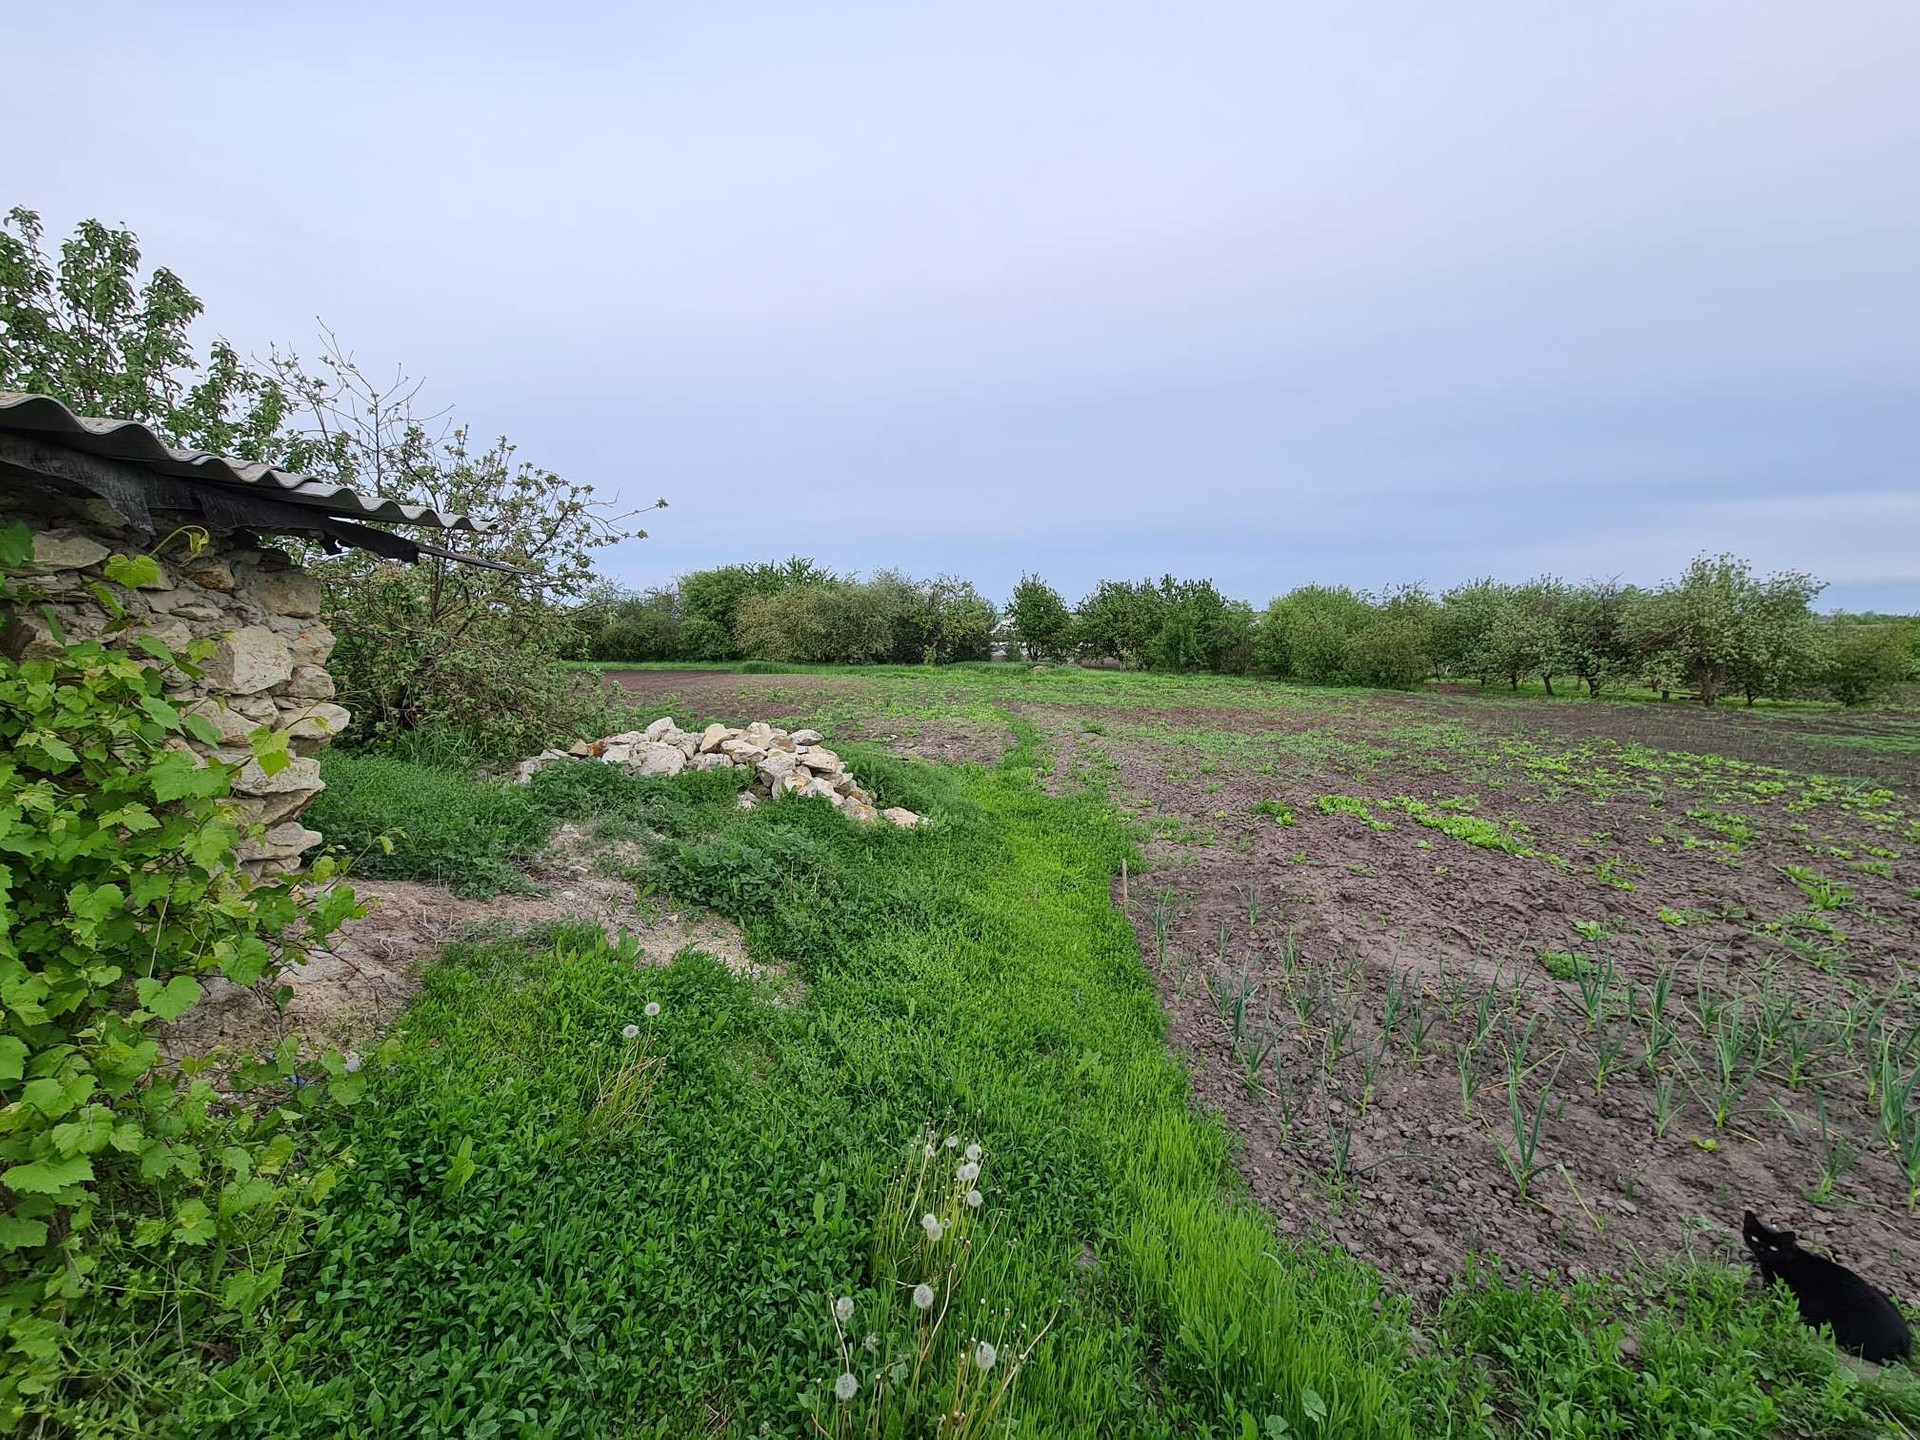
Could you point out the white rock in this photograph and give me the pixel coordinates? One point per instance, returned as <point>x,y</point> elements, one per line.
<point>626,737</point>
<point>807,737</point>
<point>322,720</point>
<point>658,759</point>
<point>234,727</point>
<point>280,592</point>
<point>859,810</point>
<point>302,773</point>
<point>711,761</point>
<point>310,682</point>
<point>250,660</point>
<point>819,758</point>
<point>661,727</point>
<point>746,800</point>
<point>65,550</point>
<point>313,645</point>
<point>711,737</point>
<point>283,842</point>
<point>905,819</point>
<point>846,784</point>
<point>776,766</point>
<point>617,754</point>
<point>818,789</point>
<point>793,784</point>
<point>742,752</point>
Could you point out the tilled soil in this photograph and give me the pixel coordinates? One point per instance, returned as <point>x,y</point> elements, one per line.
<point>1285,952</point>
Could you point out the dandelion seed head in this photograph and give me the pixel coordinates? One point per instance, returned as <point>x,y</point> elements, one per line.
<point>975,1199</point>
<point>968,1173</point>
<point>843,1309</point>
<point>653,1009</point>
<point>848,1386</point>
<point>974,1152</point>
<point>953,1142</point>
<point>630,1032</point>
<point>931,1224</point>
<point>923,1296</point>
<point>872,1342</point>
<point>985,1355</point>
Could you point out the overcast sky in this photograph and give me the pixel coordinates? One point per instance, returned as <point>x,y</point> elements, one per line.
<point>1272,293</point>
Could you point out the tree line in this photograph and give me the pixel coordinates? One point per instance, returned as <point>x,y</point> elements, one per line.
<point>1716,630</point>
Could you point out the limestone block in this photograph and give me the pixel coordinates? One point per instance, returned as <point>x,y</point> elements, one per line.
<point>250,660</point>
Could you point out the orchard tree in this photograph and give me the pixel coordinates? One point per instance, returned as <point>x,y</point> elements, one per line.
<point>1782,644</point>
<point>1119,620</point>
<point>1042,624</point>
<point>1588,633</point>
<point>1463,629</point>
<point>1868,660</point>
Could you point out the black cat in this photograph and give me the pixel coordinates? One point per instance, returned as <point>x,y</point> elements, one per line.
<point>1864,1320</point>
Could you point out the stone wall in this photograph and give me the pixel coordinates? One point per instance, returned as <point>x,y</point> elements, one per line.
<point>262,610</point>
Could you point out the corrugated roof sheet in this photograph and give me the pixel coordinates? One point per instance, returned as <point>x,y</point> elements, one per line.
<point>129,440</point>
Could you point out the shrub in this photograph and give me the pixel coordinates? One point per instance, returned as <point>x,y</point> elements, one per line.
<point>129,1193</point>
<point>1869,661</point>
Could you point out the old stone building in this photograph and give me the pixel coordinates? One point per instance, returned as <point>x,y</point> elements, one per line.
<point>87,489</point>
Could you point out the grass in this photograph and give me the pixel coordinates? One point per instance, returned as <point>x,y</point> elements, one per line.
<point>549,1229</point>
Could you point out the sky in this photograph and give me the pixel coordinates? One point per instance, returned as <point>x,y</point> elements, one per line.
<point>1269,293</point>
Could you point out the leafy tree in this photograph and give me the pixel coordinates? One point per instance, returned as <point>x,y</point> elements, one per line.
<point>711,599</point>
<point>1308,635</point>
<point>1464,628</point>
<point>1589,637</point>
<point>1869,660</point>
<point>442,643</point>
<point>1782,644</point>
<point>87,330</point>
<point>1393,648</point>
<point>1120,620</point>
<point>1042,624</point>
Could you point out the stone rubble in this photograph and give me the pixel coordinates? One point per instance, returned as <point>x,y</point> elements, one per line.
<point>782,762</point>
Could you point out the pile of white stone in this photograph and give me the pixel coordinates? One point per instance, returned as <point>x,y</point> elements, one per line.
<point>783,762</point>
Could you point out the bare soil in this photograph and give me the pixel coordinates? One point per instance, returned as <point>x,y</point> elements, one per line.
<point>349,994</point>
<point>1235,904</point>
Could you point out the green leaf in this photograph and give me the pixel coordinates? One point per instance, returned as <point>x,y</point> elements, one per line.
<point>1315,1407</point>
<point>193,1223</point>
<point>347,1089</point>
<point>132,571</point>
<point>18,1234</point>
<point>13,1057</point>
<point>86,1136</point>
<point>270,749</point>
<point>16,545</point>
<point>175,776</point>
<point>171,1001</point>
<point>202,729</point>
<point>247,961</point>
<point>47,1177</point>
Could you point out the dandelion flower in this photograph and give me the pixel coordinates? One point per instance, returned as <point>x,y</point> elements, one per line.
<point>974,1152</point>
<point>630,1032</point>
<point>653,1010</point>
<point>953,1142</point>
<point>843,1309</point>
<point>848,1386</point>
<point>923,1297</point>
<point>931,1224</point>
<point>985,1355</point>
<point>975,1199</point>
<point>968,1173</point>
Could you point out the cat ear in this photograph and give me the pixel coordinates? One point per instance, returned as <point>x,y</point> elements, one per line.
<point>1784,1237</point>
